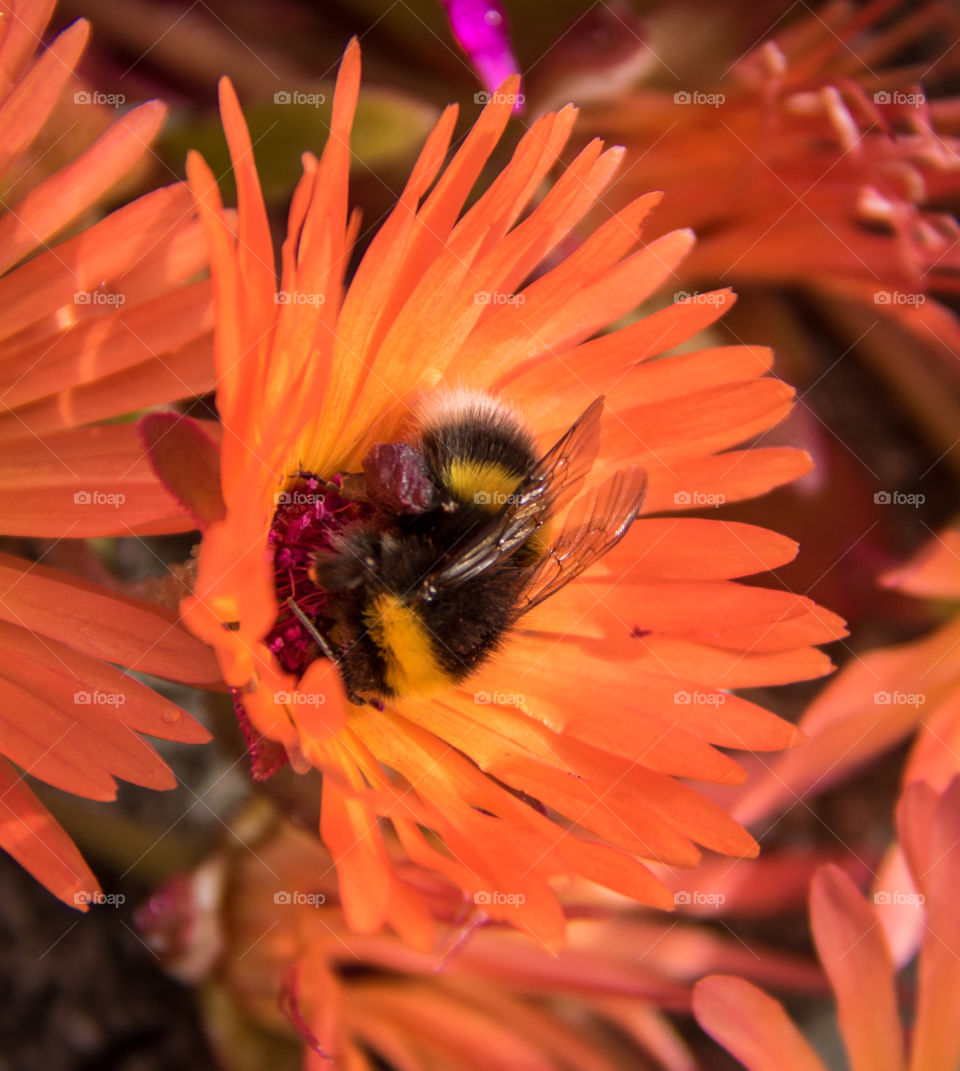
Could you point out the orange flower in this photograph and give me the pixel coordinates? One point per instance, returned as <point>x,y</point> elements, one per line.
<point>262,929</point>
<point>882,698</point>
<point>878,700</point>
<point>560,755</point>
<point>90,329</point>
<point>858,962</point>
<point>818,162</point>
<point>805,145</point>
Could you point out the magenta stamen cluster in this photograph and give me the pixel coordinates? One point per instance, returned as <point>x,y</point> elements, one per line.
<point>309,515</point>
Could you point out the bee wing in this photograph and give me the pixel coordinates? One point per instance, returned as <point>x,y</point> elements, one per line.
<point>566,464</point>
<point>555,478</point>
<point>596,524</point>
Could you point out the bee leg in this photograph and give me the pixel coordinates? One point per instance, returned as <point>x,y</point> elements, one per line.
<point>318,638</point>
<point>324,644</point>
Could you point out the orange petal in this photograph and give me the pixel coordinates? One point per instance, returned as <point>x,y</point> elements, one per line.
<point>86,482</point>
<point>629,725</point>
<point>565,385</point>
<point>728,477</point>
<point>687,548</point>
<point>160,221</point>
<point>696,424</point>
<point>319,707</point>
<point>102,345</point>
<point>21,34</point>
<point>26,108</point>
<point>47,745</point>
<point>936,1043</point>
<point>61,198</point>
<point>898,904</point>
<point>934,572</point>
<point>162,378</point>
<point>854,952</point>
<point>38,843</point>
<point>752,1026</point>
<point>548,320</point>
<point>872,705</point>
<point>753,618</point>
<point>101,623</point>
<point>254,253</point>
<point>916,816</point>
<point>351,831</point>
<point>729,669</point>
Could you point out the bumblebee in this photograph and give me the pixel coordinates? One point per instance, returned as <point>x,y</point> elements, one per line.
<point>455,543</point>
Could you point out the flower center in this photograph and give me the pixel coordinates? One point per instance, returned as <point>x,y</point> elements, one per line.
<point>309,516</point>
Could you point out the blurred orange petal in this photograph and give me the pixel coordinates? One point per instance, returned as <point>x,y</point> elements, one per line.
<point>856,957</point>
<point>30,834</point>
<point>935,851</point>
<point>753,1026</point>
<point>103,323</point>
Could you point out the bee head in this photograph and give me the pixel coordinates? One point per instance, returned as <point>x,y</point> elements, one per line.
<point>352,561</point>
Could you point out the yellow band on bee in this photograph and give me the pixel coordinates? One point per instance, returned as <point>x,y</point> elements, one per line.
<point>410,664</point>
<point>486,484</point>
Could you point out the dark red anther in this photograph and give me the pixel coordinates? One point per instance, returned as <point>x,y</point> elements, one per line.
<point>398,478</point>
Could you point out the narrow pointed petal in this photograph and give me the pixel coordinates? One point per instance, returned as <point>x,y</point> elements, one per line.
<point>752,1026</point>
<point>854,952</point>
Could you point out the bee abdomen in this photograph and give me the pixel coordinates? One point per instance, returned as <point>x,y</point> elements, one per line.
<point>406,646</point>
<point>478,448</point>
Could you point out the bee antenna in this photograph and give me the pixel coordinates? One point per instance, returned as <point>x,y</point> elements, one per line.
<point>318,638</point>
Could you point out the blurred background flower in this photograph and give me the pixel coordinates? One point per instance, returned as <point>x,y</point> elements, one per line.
<point>816,152</point>
<point>259,926</point>
<point>857,959</point>
<point>97,321</point>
